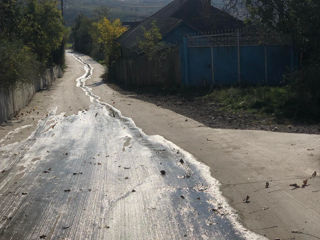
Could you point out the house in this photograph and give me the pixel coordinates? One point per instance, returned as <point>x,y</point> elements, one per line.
<point>177,19</point>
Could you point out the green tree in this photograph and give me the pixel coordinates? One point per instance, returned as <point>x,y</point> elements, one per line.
<point>150,42</point>
<point>81,37</point>
<point>41,28</point>
<point>31,33</point>
<point>10,16</point>
<point>18,63</point>
<point>297,18</point>
<point>107,32</point>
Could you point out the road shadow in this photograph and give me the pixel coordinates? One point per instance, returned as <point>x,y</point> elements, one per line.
<point>211,114</point>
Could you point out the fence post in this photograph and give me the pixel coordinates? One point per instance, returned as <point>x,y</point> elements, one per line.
<point>186,61</point>
<point>265,64</point>
<point>212,70</point>
<point>238,48</point>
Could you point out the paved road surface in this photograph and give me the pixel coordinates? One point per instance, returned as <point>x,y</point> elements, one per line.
<point>95,175</point>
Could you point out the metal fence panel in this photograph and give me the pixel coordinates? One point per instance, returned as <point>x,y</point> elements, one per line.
<point>252,65</point>
<point>225,65</point>
<point>200,67</point>
<point>235,59</point>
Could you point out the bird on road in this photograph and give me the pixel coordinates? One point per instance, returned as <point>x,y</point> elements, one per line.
<point>246,199</point>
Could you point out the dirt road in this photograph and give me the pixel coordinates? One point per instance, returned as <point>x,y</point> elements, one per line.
<point>95,175</point>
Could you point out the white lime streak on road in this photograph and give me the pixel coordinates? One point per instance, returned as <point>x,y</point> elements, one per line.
<point>13,132</point>
<point>213,187</point>
<point>95,175</point>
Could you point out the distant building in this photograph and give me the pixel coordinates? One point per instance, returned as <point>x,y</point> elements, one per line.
<point>179,18</point>
<point>176,20</point>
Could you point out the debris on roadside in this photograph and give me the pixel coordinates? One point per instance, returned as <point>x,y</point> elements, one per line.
<point>7,218</point>
<point>314,174</point>
<point>67,190</point>
<point>163,172</point>
<point>181,161</point>
<point>267,185</point>
<point>43,236</point>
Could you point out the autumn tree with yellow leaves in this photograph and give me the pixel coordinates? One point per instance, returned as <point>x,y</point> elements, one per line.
<point>98,37</point>
<point>107,33</point>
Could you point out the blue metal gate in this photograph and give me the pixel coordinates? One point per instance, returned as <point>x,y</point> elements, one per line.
<point>235,59</point>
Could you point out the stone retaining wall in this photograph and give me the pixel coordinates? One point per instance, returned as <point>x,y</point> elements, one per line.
<point>13,99</point>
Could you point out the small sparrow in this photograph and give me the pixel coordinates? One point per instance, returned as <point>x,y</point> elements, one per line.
<point>246,200</point>
<point>305,183</point>
<point>294,185</point>
<point>163,172</point>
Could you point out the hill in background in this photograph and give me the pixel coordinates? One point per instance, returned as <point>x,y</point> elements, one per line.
<point>126,10</point>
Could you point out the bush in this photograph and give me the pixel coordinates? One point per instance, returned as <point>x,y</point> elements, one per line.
<point>35,29</point>
<point>305,93</point>
<point>81,37</point>
<point>265,100</point>
<point>97,37</point>
<point>18,63</point>
<point>41,28</point>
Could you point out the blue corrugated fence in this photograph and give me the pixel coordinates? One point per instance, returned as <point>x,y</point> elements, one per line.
<point>231,60</point>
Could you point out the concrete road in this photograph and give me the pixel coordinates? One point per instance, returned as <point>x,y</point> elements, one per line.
<point>242,161</point>
<point>95,175</point>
